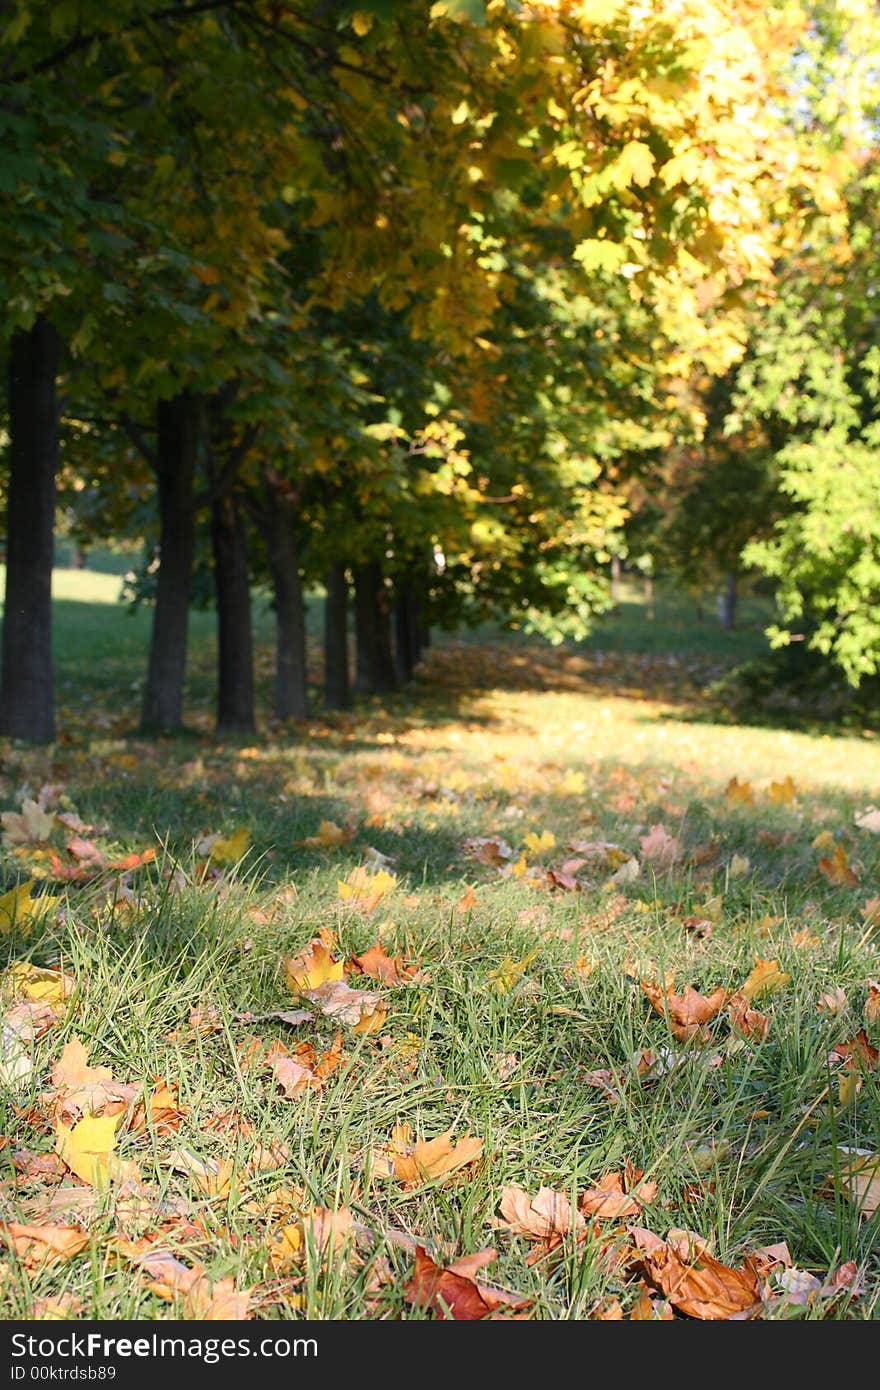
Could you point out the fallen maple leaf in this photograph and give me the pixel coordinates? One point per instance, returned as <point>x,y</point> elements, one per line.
<point>216,1300</point>
<point>782,793</point>
<point>765,977</point>
<point>313,966</point>
<point>541,1217</point>
<point>836,868</point>
<point>505,976</point>
<point>861,1182</point>
<point>329,836</point>
<point>739,793</point>
<point>858,1051</point>
<point>79,1087</point>
<point>453,1291</point>
<point>37,1244</point>
<point>659,847</point>
<point>213,1176</point>
<point>488,849</point>
<point>747,1022</point>
<point>467,901</point>
<point>832,1002</point>
<point>88,1150</point>
<point>869,820</point>
<point>704,1288</point>
<point>618,1195</point>
<point>32,825</point>
<point>23,980</point>
<point>389,970</point>
<point>538,843</point>
<point>230,848</point>
<point>419,1162</point>
<point>364,890</point>
<point>359,1009</point>
<point>18,909</point>
<point>687,1012</point>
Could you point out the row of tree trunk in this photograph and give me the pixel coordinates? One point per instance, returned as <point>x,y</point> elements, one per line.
<point>390,631</point>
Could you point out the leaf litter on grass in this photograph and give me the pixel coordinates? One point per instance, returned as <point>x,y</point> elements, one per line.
<point>262,1158</point>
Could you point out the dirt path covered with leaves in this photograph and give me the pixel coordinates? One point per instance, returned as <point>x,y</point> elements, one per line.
<point>558,1001</point>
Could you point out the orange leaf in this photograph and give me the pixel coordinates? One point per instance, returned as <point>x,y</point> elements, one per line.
<point>687,1012</point>
<point>747,1022</point>
<point>836,869</point>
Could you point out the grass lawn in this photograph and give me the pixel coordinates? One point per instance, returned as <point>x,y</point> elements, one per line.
<point>238,1161</point>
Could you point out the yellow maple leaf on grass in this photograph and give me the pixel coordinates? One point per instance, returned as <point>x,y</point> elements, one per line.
<point>538,843</point>
<point>19,910</point>
<point>88,1149</point>
<point>364,890</point>
<point>313,966</point>
<point>230,848</point>
<point>329,836</point>
<point>765,977</point>
<point>22,980</point>
<point>506,975</point>
<point>413,1163</point>
<point>782,793</point>
<point>739,793</point>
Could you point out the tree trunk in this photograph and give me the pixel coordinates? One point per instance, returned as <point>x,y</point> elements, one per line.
<point>727,602</point>
<point>649,597</point>
<point>337,690</point>
<point>615,580</point>
<point>409,632</point>
<point>372,611</point>
<point>27,702</point>
<point>178,424</point>
<point>235,646</point>
<point>291,676</point>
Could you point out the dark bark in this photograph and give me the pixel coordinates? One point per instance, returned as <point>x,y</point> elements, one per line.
<point>727,602</point>
<point>27,702</point>
<point>615,580</point>
<point>409,630</point>
<point>337,686</point>
<point>235,647</point>
<point>291,684</point>
<point>649,597</point>
<point>372,612</point>
<point>178,424</point>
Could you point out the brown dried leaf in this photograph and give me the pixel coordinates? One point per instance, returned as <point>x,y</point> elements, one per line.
<point>687,1012</point>
<point>546,1214</point>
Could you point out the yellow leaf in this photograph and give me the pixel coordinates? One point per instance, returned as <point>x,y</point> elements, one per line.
<point>312,967</point>
<point>413,1164</point>
<point>329,836</point>
<point>371,1019</point>
<point>764,978</point>
<point>782,793</point>
<point>26,981</point>
<point>538,843</point>
<point>364,890</point>
<point>361,23</point>
<point>739,793</point>
<point>519,868</point>
<point>634,164</point>
<point>17,907</point>
<point>88,1147</point>
<point>824,840</point>
<point>508,972</point>
<point>230,849</point>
